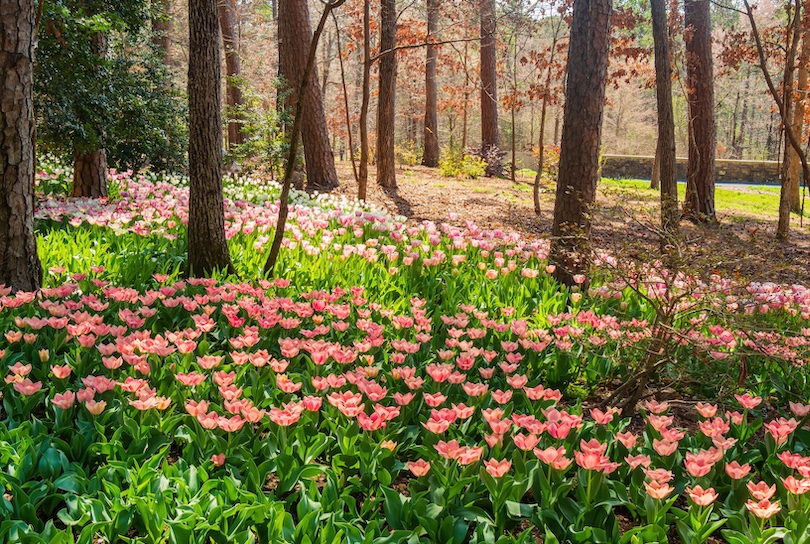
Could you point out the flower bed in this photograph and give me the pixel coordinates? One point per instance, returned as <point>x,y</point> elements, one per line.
<point>399,382</point>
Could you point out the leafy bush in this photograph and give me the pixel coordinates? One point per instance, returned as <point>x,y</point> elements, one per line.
<point>473,167</point>
<point>551,160</point>
<point>98,83</point>
<point>492,157</point>
<point>454,163</point>
<point>408,153</point>
<point>266,147</point>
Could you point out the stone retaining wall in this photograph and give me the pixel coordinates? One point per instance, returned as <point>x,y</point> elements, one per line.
<point>638,167</point>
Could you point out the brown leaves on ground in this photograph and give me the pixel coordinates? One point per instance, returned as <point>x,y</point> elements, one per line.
<point>738,246</point>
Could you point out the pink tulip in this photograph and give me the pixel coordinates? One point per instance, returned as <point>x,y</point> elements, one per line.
<point>497,468</point>
<point>64,400</point>
<point>419,468</point>
<point>702,497</point>
<point>27,387</point>
<point>218,459</point>
<point>747,401</point>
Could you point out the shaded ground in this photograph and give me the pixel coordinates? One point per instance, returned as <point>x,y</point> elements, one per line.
<point>742,244</point>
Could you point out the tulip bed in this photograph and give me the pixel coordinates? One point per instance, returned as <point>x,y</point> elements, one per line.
<point>395,383</point>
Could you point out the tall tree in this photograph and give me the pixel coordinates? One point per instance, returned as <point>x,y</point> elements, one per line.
<point>586,72</point>
<point>298,115</point>
<point>699,202</point>
<point>783,228</point>
<point>490,130</point>
<point>362,179</point>
<point>738,141</point>
<point>233,69</point>
<point>431,153</point>
<point>793,35</point>
<point>294,37</point>
<point>386,100</point>
<point>794,163</point>
<point>541,147</point>
<point>102,94</point>
<point>89,160</point>
<point>665,152</point>
<point>161,28</point>
<point>207,246</point>
<point>20,268</point>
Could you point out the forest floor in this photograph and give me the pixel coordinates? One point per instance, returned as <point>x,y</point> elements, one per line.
<point>740,245</point>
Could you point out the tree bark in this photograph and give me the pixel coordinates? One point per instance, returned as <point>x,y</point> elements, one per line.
<point>284,200</point>
<point>699,202</point>
<point>513,108</point>
<point>655,176</point>
<point>541,147</point>
<point>783,227</point>
<point>345,101</point>
<point>431,153</point>
<point>386,100</point>
<point>295,36</point>
<point>589,48</point>
<point>788,99</point>
<point>233,69</point>
<point>207,246</point>
<point>541,160</point>
<point>90,165</point>
<point>161,28</point>
<point>327,62</point>
<point>670,215</point>
<point>739,138</point>
<point>466,103</point>
<point>20,268</point>
<point>89,174</point>
<point>794,164</point>
<point>362,184</point>
<point>490,133</point>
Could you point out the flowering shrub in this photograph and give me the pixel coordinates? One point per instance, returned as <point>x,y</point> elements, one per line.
<point>398,380</point>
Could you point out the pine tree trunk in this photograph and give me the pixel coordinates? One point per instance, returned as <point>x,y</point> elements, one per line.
<point>588,53</point>
<point>89,174</point>
<point>699,202</point>
<point>739,138</point>
<point>295,36</point>
<point>386,100</point>
<point>20,268</point>
<point>670,216</point>
<point>490,133</point>
<point>655,175</point>
<point>513,136</point>
<point>557,127</point>
<point>731,131</point>
<point>233,70</point>
<point>788,98</point>
<point>362,183</point>
<point>90,166</point>
<point>161,28</point>
<point>207,246</point>
<point>327,64</point>
<point>431,153</point>
<point>794,168</point>
<point>541,148</point>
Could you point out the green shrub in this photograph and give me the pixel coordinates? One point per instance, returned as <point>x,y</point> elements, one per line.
<point>473,167</point>
<point>454,164</point>
<point>409,154</point>
<point>265,146</point>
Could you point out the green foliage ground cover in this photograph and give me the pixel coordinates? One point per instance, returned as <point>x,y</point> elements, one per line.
<point>394,383</point>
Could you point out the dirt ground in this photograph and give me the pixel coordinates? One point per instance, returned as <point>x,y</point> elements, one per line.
<point>740,246</point>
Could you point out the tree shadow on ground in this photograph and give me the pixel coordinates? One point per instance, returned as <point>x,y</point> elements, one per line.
<point>404,207</point>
